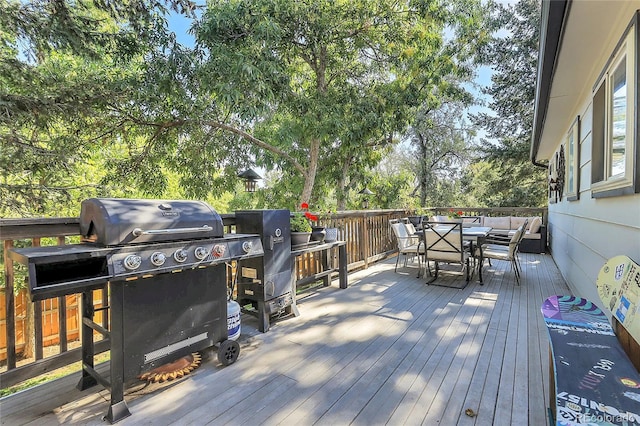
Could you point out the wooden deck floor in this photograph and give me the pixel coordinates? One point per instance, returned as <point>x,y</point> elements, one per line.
<point>387,350</point>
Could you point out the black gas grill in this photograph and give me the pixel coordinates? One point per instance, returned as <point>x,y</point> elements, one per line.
<point>166,262</point>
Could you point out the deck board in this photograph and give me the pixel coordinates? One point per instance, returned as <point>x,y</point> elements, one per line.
<point>387,350</point>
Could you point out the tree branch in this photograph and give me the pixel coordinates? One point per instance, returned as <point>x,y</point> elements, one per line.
<point>259,143</point>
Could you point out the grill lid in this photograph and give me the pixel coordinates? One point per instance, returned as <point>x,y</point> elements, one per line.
<point>120,221</point>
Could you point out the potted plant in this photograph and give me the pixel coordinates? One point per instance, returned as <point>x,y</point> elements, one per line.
<point>300,229</point>
<point>331,231</point>
<point>455,216</point>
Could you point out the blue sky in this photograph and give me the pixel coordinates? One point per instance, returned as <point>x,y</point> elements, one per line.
<point>180,25</point>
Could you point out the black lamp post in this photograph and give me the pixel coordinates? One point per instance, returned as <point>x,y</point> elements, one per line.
<point>250,179</point>
<point>365,197</point>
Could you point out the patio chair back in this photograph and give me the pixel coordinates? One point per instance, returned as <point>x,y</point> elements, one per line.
<point>400,231</point>
<point>508,253</point>
<point>411,232</point>
<point>524,230</point>
<point>407,244</point>
<point>444,243</point>
<point>516,238</point>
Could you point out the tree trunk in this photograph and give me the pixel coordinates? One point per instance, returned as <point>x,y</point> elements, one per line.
<point>423,172</point>
<point>310,176</point>
<point>341,190</point>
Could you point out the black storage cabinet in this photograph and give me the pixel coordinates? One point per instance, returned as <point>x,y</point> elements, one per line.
<point>267,283</point>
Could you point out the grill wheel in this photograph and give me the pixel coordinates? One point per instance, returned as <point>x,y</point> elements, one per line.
<point>228,352</point>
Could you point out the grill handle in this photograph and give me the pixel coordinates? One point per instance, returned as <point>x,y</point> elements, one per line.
<point>137,231</point>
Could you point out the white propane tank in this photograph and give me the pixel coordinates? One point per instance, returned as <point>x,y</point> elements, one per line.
<point>233,319</point>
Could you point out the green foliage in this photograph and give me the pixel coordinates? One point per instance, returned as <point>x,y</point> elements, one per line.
<point>299,223</point>
<point>391,188</point>
<point>440,139</point>
<point>99,99</point>
<point>66,70</point>
<point>330,81</point>
<point>512,54</point>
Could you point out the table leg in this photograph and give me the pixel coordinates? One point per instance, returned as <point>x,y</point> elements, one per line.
<point>342,265</point>
<point>324,255</point>
<point>480,262</point>
<point>473,258</point>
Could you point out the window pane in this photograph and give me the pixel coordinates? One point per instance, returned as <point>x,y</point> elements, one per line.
<point>597,134</point>
<point>571,154</point>
<point>619,120</point>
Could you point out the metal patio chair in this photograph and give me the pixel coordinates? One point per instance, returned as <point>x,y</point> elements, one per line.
<point>444,244</point>
<point>407,244</point>
<point>507,252</point>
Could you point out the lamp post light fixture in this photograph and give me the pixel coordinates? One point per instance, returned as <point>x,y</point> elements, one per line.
<point>250,180</point>
<point>366,192</point>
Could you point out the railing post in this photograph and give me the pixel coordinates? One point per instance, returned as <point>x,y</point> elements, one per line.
<point>62,314</point>
<point>365,240</point>
<point>10,307</point>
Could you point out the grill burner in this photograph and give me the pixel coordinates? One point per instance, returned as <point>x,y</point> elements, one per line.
<point>166,263</point>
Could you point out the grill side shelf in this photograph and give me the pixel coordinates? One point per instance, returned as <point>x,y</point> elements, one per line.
<point>61,270</point>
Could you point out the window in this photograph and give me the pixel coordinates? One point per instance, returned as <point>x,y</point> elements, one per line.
<point>572,144</point>
<point>614,134</point>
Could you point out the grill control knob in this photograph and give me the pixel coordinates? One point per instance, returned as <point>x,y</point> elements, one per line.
<point>180,255</point>
<point>158,258</point>
<point>201,253</point>
<point>218,250</point>
<point>132,261</point>
<point>247,246</point>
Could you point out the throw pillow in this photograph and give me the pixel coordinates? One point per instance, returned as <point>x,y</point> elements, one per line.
<point>534,226</point>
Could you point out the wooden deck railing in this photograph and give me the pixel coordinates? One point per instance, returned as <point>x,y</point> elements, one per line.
<point>38,337</point>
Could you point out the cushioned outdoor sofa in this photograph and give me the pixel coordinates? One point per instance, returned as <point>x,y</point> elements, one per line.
<point>535,238</point>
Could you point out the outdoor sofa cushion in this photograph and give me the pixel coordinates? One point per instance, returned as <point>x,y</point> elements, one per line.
<point>534,225</point>
<point>498,223</point>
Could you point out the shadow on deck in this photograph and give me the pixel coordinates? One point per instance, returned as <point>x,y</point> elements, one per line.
<point>387,350</point>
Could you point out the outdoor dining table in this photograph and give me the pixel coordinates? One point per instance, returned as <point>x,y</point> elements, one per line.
<point>476,236</point>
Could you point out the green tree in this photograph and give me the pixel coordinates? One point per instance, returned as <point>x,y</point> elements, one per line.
<point>321,86</point>
<point>64,68</point>
<point>392,180</point>
<point>512,54</point>
<point>104,101</point>
<point>440,139</point>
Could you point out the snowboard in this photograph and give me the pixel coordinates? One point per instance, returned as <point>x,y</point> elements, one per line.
<point>595,383</point>
<point>618,286</point>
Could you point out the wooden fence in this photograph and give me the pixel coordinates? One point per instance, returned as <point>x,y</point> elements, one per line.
<point>38,337</point>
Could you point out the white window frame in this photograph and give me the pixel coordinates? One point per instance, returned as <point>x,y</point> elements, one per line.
<point>621,183</point>
<point>572,147</point>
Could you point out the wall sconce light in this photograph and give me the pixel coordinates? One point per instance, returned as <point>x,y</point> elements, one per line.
<point>553,180</point>
<point>250,180</point>
<point>365,197</point>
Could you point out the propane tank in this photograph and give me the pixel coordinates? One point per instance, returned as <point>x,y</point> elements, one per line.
<point>233,319</point>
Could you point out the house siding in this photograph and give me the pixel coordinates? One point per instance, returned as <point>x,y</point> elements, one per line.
<point>586,232</point>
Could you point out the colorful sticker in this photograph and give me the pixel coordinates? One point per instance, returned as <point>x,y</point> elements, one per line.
<point>623,307</point>
<point>619,272</point>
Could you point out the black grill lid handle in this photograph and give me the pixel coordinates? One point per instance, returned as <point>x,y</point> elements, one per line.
<point>137,231</point>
